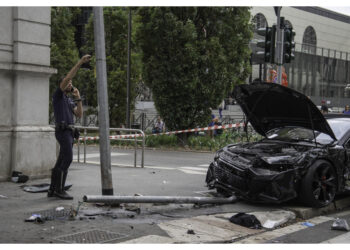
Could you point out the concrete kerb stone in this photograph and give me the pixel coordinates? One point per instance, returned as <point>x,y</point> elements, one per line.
<point>308,212</point>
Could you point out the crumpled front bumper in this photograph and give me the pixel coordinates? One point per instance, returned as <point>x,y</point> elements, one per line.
<point>249,185</point>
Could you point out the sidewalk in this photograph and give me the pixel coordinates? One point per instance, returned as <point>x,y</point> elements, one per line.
<point>129,223</point>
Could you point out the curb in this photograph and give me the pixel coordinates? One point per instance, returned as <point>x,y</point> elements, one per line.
<point>307,212</point>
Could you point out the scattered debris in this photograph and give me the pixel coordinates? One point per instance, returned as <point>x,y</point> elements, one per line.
<point>340,224</point>
<point>131,227</point>
<point>18,177</point>
<point>132,208</point>
<point>3,196</point>
<point>39,220</point>
<point>131,216</point>
<point>164,182</point>
<point>274,219</point>
<point>32,218</point>
<point>100,204</point>
<point>153,172</point>
<point>41,188</point>
<point>72,214</point>
<point>307,224</point>
<point>190,231</point>
<point>92,214</point>
<point>246,220</point>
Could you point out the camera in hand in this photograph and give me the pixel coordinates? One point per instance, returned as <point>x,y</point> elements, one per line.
<point>72,89</point>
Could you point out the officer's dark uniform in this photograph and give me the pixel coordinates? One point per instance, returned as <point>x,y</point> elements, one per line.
<point>63,107</point>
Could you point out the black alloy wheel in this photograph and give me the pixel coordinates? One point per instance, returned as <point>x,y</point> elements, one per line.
<point>318,186</point>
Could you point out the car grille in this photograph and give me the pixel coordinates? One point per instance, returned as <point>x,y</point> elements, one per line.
<point>236,160</point>
<point>229,176</point>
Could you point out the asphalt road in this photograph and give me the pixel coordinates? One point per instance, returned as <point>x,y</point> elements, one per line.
<point>166,173</point>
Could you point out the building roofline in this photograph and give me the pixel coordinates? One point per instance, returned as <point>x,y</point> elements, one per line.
<point>325,13</point>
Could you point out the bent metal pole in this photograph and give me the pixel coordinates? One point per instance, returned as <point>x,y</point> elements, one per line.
<point>103,116</point>
<point>158,199</point>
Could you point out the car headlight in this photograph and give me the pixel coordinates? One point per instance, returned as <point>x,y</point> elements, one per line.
<point>217,154</point>
<point>277,159</point>
<point>263,171</point>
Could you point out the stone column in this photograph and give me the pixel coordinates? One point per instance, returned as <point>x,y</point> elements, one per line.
<point>27,142</point>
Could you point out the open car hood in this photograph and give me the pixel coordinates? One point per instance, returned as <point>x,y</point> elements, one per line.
<point>269,105</point>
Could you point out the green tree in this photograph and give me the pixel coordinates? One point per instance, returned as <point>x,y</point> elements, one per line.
<point>192,58</point>
<point>116,37</point>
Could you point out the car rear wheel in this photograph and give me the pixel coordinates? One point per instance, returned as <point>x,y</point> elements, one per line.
<point>318,186</point>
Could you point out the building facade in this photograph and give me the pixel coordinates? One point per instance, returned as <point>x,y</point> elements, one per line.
<point>321,68</point>
<point>27,142</point>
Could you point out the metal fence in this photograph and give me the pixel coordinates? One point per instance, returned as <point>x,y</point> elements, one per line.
<point>320,73</point>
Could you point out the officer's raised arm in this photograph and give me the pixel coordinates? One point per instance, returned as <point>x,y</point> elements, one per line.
<point>64,83</point>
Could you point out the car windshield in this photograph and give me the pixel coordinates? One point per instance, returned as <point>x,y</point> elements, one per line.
<point>339,127</point>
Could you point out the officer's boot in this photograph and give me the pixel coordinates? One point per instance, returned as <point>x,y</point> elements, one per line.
<point>59,188</point>
<point>52,185</point>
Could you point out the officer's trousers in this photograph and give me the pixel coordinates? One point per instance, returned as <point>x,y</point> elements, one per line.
<point>65,157</point>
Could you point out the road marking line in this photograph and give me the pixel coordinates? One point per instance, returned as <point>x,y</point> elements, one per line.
<point>96,155</point>
<point>115,164</point>
<point>192,172</point>
<point>204,165</point>
<point>165,168</point>
<point>187,170</point>
<point>343,238</point>
<point>194,168</point>
<point>154,239</point>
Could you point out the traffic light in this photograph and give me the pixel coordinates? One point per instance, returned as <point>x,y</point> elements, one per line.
<point>288,45</point>
<point>268,44</point>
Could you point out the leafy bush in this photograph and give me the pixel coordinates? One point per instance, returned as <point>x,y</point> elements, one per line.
<point>161,140</point>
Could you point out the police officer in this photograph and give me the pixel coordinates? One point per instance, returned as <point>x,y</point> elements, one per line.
<point>64,108</point>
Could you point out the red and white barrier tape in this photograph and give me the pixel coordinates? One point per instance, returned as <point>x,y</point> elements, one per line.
<point>113,137</point>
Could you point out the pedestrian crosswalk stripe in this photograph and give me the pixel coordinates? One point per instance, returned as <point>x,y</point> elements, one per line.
<point>192,172</point>
<point>156,167</point>
<point>97,155</point>
<point>204,165</point>
<point>194,168</point>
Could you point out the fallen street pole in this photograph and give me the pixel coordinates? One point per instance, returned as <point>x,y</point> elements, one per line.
<point>158,199</point>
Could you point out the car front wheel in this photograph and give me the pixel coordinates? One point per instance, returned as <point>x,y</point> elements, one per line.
<point>318,187</point>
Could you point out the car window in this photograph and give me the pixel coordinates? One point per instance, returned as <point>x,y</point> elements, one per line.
<point>339,127</point>
<point>347,144</point>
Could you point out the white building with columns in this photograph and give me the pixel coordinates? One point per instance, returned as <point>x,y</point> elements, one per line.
<point>27,143</point>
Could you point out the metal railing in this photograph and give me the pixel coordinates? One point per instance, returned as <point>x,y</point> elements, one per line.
<point>136,140</point>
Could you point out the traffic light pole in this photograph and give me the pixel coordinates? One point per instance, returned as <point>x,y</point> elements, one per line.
<point>279,46</point>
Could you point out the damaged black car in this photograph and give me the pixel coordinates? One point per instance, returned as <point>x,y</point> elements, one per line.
<point>303,154</point>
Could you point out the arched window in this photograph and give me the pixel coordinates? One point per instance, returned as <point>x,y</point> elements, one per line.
<point>259,21</point>
<point>309,41</point>
<point>288,24</point>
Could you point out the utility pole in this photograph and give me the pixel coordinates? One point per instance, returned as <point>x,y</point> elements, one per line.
<point>279,44</point>
<point>128,73</point>
<point>102,98</point>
